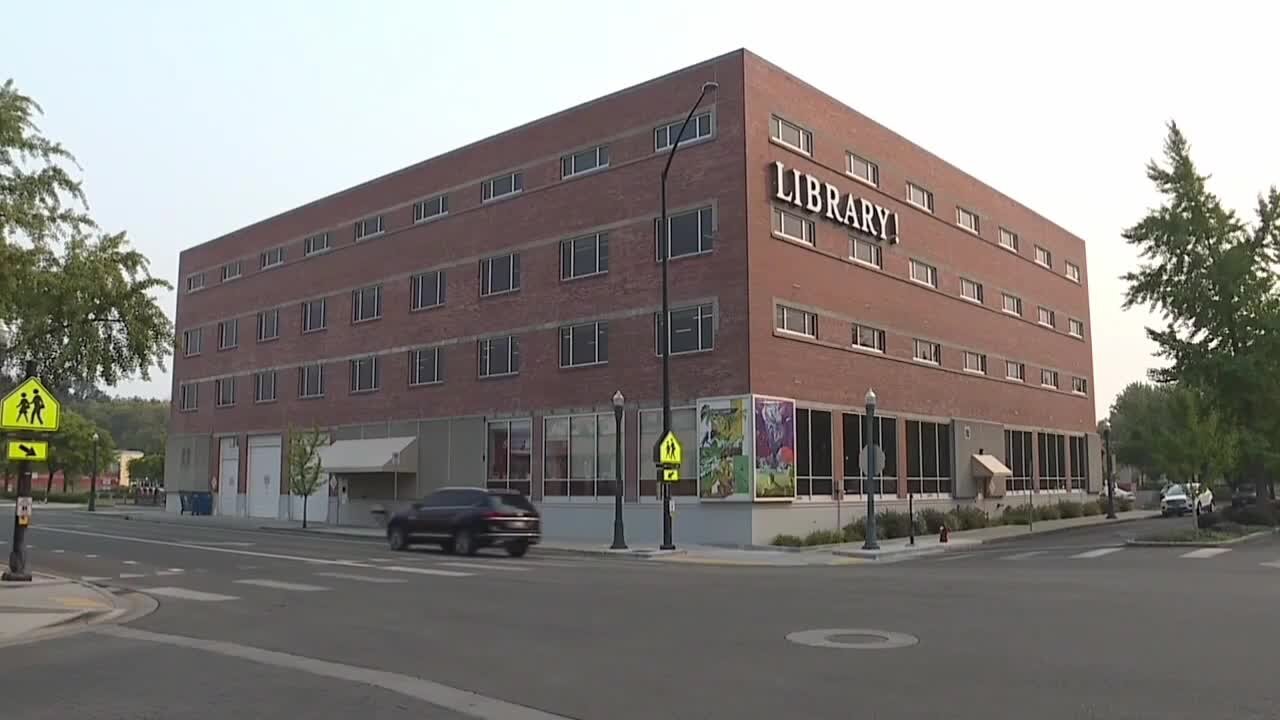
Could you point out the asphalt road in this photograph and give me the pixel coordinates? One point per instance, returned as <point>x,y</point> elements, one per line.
<point>274,625</point>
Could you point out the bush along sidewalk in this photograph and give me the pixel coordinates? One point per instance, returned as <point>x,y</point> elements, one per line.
<point>1218,528</point>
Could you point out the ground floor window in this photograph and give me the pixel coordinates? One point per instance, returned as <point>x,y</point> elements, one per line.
<point>1079,462</point>
<point>1018,458</point>
<point>684,423</point>
<point>854,434</point>
<point>578,457</point>
<point>1053,462</point>
<point>813,454</point>
<point>928,458</point>
<point>510,455</point>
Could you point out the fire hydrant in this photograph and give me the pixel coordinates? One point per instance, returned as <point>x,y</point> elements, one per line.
<point>944,534</point>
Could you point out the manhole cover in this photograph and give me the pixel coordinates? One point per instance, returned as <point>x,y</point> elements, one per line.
<point>853,639</point>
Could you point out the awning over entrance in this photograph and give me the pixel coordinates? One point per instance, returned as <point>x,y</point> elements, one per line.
<point>991,472</point>
<point>375,455</point>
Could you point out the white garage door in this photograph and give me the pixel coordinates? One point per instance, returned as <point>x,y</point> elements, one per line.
<point>228,475</point>
<point>264,476</point>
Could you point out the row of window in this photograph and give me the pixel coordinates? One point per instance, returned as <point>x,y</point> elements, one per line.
<point>495,188</point>
<point>800,139</point>
<point>796,321</point>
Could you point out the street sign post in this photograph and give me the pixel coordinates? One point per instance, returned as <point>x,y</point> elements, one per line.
<point>28,409</point>
<point>31,450</point>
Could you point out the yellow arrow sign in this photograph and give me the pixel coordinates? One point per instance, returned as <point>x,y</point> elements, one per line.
<point>30,407</point>
<point>28,450</point>
<point>671,475</point>
<point>671,453</point>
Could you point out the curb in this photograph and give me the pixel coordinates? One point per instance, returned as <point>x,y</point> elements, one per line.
<point>85,617</point>
<point>1069,528</point>
<point>1198,543</point>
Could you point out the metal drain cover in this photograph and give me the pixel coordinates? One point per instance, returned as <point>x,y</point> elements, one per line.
<point>853,639</point>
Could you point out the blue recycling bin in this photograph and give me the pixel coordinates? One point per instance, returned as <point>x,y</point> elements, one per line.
<point>202,503</point>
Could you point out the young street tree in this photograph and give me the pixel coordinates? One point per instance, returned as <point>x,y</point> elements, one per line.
<point>305,477</point>
<point>71,449</point>
<point>149,467</point>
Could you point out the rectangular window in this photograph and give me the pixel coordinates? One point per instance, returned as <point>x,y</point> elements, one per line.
<point>311,381</point>
<point>919,197</point>
<point>1049,378</point>
<point>975,362</point>
<point>188,397</point>
<point>578,456</point>
<point>692,329</point>
<point>866,252</point>
<point>868,338</point>
<point>264,386</point>
<point>584,256</point>
<point>502,186</point>
<point>691,233</point>
<point>228,334</point>
<point>863,169</point>
<point>927,351</point>
<point>368,227</point>
<point>928,458</point>
<point>1075,327</point>
<point>1052,460</point>
<point>366,304</point>
<point>268,325</point>
<point>684,423</point>
<point>924,273</point>
<point>1018,457</point>
<point>968,220</point>
<point>431,208</point>
<point>313,315</point>
<point>1014,370</point>
<point>1044,257</point>
<point>814,476</point>
<point>271,258</point>
<point>855,438</point>
<point>793,227</point>
<point>1079,464</point>
<point>1045,316</point>
<point>364,374</point>
<point>585,161</point>
<point>510,453</point>
<point>791,135</point>
<point>1011,304</point>
<point>317,243</point>
<point>500,274</point>
<point>1072,271</point>
<point>971,290</point>
<point>231,271</point>
<point>424,366</point>
<point>499,356</point>
<point>192,342</point>
<point>225,391</point>
<point>1008,239</point>
<point>699,127</point>
<point>585,344</point>
<point>1079,386</point>
<point>426,290</point>
<point>195,282</point>
<point>796,321</point>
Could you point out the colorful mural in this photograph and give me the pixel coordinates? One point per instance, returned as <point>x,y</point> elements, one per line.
<point>724,463</point>
<point>775,456</point>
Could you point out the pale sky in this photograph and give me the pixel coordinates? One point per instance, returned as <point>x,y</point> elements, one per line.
<point>193,119</point>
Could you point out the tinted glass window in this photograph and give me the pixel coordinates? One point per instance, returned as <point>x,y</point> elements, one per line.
<point>510,502</point>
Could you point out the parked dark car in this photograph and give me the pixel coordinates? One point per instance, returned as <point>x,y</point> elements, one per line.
<point>463,520</point>
<point>1243,495</point>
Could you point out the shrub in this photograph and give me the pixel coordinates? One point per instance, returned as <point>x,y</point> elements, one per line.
<point>824,537</point>
<point>1209,520</point>
<point>1124,504</point>
<point>934,519</point>
<point>893,524</point>
<point>1251,515</point>
<point>1047,512</point>
<point>1070,509</point>
<point>1018,515</point>
<point>1092,507</point>
<point>857,530</point>
<point>970,518</point>
<point>785,540</point>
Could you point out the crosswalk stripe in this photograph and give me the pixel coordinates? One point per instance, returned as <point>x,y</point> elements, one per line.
<point>278,585</point>
<point>423,571</point>
<point>1024,555</point>
<point>484,566</point>
<point>170,571</point>
<point>954,556</point>
<point>1203,553</point>
<point>59,552</point>
<point>93,578</point>
<point>1274,564</point>
<point>1096,553</point>
<point>361,578</point>
<point>185,594</point>
<point>130,576</point>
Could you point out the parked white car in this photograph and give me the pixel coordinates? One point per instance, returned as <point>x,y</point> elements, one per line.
<point>1177,500</point>
<point>1121,494</point>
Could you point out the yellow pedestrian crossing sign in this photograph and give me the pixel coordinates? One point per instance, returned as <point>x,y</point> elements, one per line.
<point>670,453</point>
<point>31,450</point>
<point>671,475</point>
<point>30,407</point>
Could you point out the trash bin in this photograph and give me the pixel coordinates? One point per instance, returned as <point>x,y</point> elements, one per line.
<point>202,503</point>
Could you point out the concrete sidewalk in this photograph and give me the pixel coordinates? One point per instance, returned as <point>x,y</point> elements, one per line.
<point>49,602</point>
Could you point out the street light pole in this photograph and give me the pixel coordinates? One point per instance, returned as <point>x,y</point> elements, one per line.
<point>871,542</point>
<point>93,478</point>
<point>664,333</point>
<point>619,535</point>
<point>1107,471</point>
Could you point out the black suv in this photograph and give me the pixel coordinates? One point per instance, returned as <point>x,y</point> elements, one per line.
<point>463,520</point>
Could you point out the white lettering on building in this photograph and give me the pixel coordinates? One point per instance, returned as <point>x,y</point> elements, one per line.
<point>809,193</point>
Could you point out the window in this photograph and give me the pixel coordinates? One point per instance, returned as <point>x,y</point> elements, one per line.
<point>692,329</point>
<point>791,135</point>
<point>311,381</point>
<point>231,271</point>
<point>684,423</point>
<point>1049,378</point>
<point>1045,316</point>
<point>195,282</point>
<point>975,362</point>
<point>971,290</point>
<point>225,391</point>
<point>863,169</point>
<point>1044,257</point>
<point>919,197</point>
<point>691,233</point>
<point>271,258</point>
<point>928,458</point>
<point>424,366</point>
<point>1079,464</point>
<point>431,208</point>
<point>364,374</point>
<point>188,397</point>
<point>1080,386</point>
<point>499,356</point>
<point>866,252</point>
<point>814,476</point>
<point>502,186</point>
<point>313,315</point>
<point>585,161</point>
<point>426,290</point>
<point>584,256</point>
<point>192,342</point>
<point>968,220</point>
<point>268,325</point>
<point>1075,327</point>
<point>1018,457</point>
<point>585,344</point>
<point>1052,460</point>
<point>510,451</point>
<point>793,227</point>
<point>578,456</point>
<point>264,386</point>
<point>797,321</point>
<point>868,338</point>
<point>1011,304</point>
<point>228,334</point>
<point>500,274</point>
<point>1008,239</point>
<point>855,438</point>
<point>1072,271</point>
<point>366,304</point>
<point>1014,370</point>
<point>368,227</point>
<point>699,127</point>
<point>315,244</point>
<point>927,351</point>
<point>924,273</point>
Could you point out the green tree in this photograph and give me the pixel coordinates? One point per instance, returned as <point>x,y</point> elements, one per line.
<point>71,449</point>
<point>305,477</point>
<point>135,423</point>
<point>1135,414</point>
<point>147,467</point>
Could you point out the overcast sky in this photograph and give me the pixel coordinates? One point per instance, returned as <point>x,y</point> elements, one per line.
<point>193,119</point>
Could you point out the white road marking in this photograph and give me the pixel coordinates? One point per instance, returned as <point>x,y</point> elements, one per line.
<point>1275,564</point>
<point>954,556</point>
<point>1096,553</point>
<point>130,576</point>
<point>361,578</point>
<point>484,566</point>
<point>421,571</point>
<point>185,594</point>
<point>381,560</point>
<point>278,585</point>
<point>93,578</point>
<point>58,552</point>
<point>219,543</point>
<point>1024,555</point>
<point>206,548</point>
<point>130,562</point>
<point>170,571</point>
<point>88,556</point>
<point>1204,553</point>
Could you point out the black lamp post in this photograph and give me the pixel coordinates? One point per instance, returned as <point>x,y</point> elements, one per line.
<point>871,542</point>
<point>93,478</point>
<point>1107,470</point>
<point>664,334</point>
<point>619,536</point>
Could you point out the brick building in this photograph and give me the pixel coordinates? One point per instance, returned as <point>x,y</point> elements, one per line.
<point>467,319</point>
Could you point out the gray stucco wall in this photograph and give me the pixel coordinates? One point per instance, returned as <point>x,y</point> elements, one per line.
<point>969,437</point>
<point>186,463</point>
<point>1093,445</point>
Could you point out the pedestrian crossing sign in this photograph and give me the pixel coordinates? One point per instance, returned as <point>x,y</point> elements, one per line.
<point>30,407</point>
<point>669,451</point>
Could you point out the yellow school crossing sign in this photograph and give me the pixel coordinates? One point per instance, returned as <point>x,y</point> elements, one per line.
<point>30,407</point>
<point>30,450</point>
<point>670,453</point>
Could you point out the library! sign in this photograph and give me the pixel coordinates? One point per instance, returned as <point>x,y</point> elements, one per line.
<point>809,193</point>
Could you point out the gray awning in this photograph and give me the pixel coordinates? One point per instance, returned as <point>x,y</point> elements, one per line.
<point>375,455</point>
<point>989,466</point>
